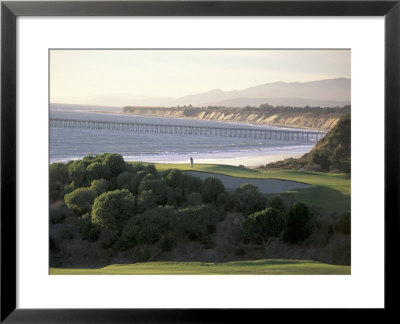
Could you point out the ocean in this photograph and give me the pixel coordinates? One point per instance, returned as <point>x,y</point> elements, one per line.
<point>72,143</point>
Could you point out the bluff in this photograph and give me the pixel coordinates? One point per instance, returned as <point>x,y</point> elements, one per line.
<point>332,152</point>
<point>298,117</point>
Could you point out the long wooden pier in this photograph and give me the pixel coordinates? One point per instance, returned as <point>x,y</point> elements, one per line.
<point>273,134</point>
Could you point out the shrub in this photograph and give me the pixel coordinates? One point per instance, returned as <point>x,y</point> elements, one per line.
<point>207,242</point>
<point>53,244</point>
<point>67,233</point>
<point>240,251</point>
<point>93,234</point>
<point>107,238</point>
<point>321,157</point>
<point>143,254</point>
<point>84,226</point>
<point>96,171</point>
<point>58,211</point>
<point>112,209</point>
<point>211,188</point>
<point>276,202</point>
<point>247,187</point>
<point>115,162</point>
<point>299,223</point>
<point>80,200</point>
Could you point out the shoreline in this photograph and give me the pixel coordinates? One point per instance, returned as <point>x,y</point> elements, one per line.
<point>247,161</point>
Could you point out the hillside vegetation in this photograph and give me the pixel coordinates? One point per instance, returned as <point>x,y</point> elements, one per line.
<point>332,152</point>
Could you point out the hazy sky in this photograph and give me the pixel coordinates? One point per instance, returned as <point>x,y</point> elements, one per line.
<point>79,76</point>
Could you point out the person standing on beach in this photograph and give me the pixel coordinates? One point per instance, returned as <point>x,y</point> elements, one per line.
<point>191,162</point>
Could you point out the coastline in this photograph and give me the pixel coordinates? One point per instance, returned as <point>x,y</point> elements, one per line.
<point>215,120</point>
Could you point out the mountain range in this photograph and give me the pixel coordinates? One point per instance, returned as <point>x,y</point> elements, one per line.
<point>324,93</point>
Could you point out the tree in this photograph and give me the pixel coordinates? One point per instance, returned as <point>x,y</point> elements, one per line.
<point>250,199</point>
<point>80,200</point>
<point>265,225</point>
<point>147,200</point>
<point>77,172</point>
<point>100,185</point>
<point>175,179</point>
<point>195,222</point>
<point>97,170</point>
<point>124,180</point>
<point>112,209</point>
<point>195,199</point>
<point>136,181</point>
<point>299,223</point>
<point>157,186</point>
<point>58,172</point>
<point>211,188</point>
<point>191,184</point>
<point>58,177</point>
<point>277,203</point>
<point>150,168</point>
<point>115,162</point>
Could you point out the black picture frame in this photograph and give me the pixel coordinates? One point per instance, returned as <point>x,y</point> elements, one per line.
<point>10,10</point>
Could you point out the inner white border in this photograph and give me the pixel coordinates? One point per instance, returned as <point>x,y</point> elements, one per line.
<point>363,288</point>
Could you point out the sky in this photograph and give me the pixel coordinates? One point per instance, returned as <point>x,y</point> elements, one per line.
<point>89,76</point>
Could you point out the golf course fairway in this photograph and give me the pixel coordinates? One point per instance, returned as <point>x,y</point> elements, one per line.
<point>257,267</point>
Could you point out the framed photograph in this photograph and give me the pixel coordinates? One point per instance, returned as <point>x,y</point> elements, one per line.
<point>163,159</point>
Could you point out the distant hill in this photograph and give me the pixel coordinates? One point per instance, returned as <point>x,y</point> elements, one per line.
<point>332,153</point>
<point>323,93</point>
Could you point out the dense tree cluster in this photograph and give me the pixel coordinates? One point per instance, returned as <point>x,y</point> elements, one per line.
<point>136,203</point>
<point>293,225</point>
<point>127,205</point>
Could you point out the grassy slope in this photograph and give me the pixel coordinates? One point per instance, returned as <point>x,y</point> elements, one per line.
<point>290,267</point>
<point>330,191</point>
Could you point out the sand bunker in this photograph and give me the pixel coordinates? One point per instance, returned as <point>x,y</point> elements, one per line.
<point>267,186</point>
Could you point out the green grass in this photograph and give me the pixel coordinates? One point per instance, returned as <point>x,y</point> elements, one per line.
<point>330,191</point>
<point>262,267</point>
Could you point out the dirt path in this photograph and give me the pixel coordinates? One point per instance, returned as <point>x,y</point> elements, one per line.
<point>267,186</point>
